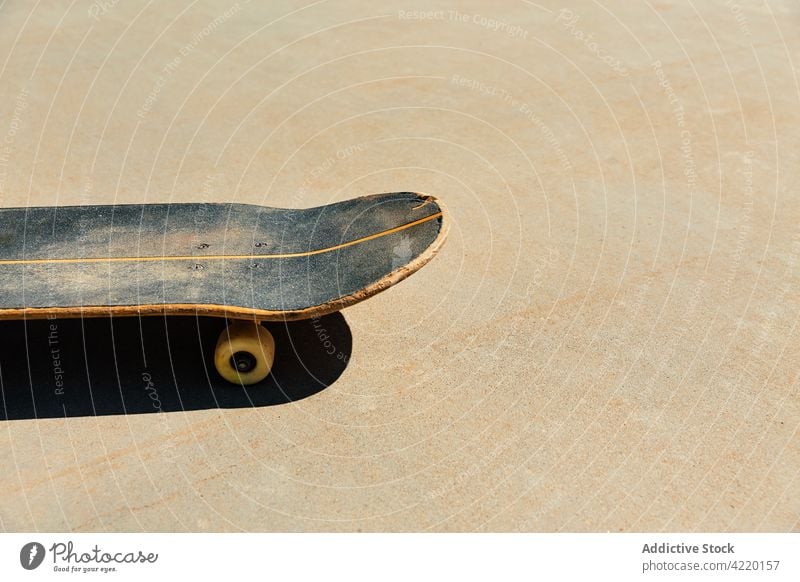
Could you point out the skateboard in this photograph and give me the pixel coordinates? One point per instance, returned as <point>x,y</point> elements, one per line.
<point>245,263</point>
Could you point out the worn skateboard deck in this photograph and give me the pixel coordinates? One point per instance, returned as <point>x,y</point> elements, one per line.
<point>226,260</point>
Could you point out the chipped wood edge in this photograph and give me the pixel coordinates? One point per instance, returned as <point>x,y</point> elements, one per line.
<point>233,312</point>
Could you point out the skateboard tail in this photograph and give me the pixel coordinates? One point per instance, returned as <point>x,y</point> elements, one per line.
<point>392,278</point>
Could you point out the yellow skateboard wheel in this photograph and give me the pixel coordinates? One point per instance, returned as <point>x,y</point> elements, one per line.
<point>245,352</point>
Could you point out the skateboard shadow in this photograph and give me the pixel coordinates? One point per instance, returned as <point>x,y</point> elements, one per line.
<point>96,367</point>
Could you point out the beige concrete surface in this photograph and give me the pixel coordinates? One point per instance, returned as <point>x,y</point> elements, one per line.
<point>608,340</point>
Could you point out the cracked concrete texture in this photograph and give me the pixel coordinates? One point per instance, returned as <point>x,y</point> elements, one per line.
<point>607,342</point>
